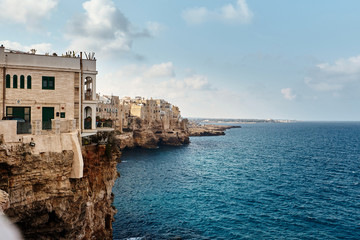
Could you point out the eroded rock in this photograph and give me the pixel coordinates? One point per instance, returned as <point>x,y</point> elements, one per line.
<point>45,203</point>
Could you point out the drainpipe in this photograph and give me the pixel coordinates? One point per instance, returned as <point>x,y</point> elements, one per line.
<point>4,86</point>
<point>4,89</point>
<point>81,94</point>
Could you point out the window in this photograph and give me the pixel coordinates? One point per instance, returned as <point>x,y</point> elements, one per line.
<point>29,82</point>
<point>62,115</point>
<point>19,112</point>
<point>8,81</point>
<point>15,81</point>
<point>22,81</point>
<point>48,83</point>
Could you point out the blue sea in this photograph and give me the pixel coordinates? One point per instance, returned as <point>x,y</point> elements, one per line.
<point>261,181</point>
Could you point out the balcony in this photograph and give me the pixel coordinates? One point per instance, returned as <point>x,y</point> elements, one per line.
<point>88,95</point>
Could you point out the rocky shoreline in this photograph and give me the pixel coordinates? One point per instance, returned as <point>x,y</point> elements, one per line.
<point>209,130</point>
<point>41,198</point>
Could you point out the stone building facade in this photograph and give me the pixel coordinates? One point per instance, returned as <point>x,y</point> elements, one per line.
<point>150,111</point>
<point>47,102</point>
<point>41,88</point>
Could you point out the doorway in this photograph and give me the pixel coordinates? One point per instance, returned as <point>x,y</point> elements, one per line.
<point>47,115</point>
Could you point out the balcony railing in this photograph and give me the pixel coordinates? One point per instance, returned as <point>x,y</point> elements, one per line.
<point>88,96</point>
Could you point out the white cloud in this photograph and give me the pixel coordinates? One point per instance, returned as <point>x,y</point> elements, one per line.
<point>334,77</point>
<point>288,93</point>
<point>158,81</point>
<point>160,70</point>
<point>26,12</point>
<point>342,66</point>
<point>198,82</point>
<point>40,47</point>
<point>103,28</point>
<point>230,13</point>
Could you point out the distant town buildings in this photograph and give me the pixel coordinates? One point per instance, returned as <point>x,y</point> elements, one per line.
<point>124,111</point>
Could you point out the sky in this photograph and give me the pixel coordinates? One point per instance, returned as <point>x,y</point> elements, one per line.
<point>276,59</point>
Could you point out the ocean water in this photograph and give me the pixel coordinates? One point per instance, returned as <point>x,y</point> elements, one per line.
<point>262,181</point>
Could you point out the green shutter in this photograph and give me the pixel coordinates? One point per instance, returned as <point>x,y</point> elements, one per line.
<point>8,81</point>
<point>29,82</point>
<point>22,81</point>
<point>15,81</point>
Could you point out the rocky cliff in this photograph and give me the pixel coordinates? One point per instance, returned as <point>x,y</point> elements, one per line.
<point>196,130</point>
<point>45,203</point>
<point>39,195</point>
<point>151,135</point>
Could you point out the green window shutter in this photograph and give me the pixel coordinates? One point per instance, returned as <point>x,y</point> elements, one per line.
<point>22,81</point>
<point>15,81</point>
<point>29,82</point>
<point>8,81</point>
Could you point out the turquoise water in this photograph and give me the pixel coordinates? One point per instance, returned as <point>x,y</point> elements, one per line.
<point>262,181</point>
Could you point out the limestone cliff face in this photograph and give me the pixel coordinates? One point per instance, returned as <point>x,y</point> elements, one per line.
<point>196,130</point>
<point>151,135</point>
<point>4,201</point>
<point>38,193</point>
<point>47,204</point>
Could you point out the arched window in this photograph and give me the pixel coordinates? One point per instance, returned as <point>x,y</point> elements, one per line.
<point>28,82</point>
<point>8,81</point>
<point>22,81</point>
<point>15,81</point>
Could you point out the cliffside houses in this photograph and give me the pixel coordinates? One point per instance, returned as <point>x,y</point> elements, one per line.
<point>47,101</point>
<point>124,111</point>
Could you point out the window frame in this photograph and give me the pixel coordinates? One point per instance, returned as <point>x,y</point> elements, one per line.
<point>48,80</point>
<point>15,81</point>
<point>8,81</point>
<point>28,82</point>
<point>22,82</point>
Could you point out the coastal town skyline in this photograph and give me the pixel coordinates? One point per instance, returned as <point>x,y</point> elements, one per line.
<point>213,59</point>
